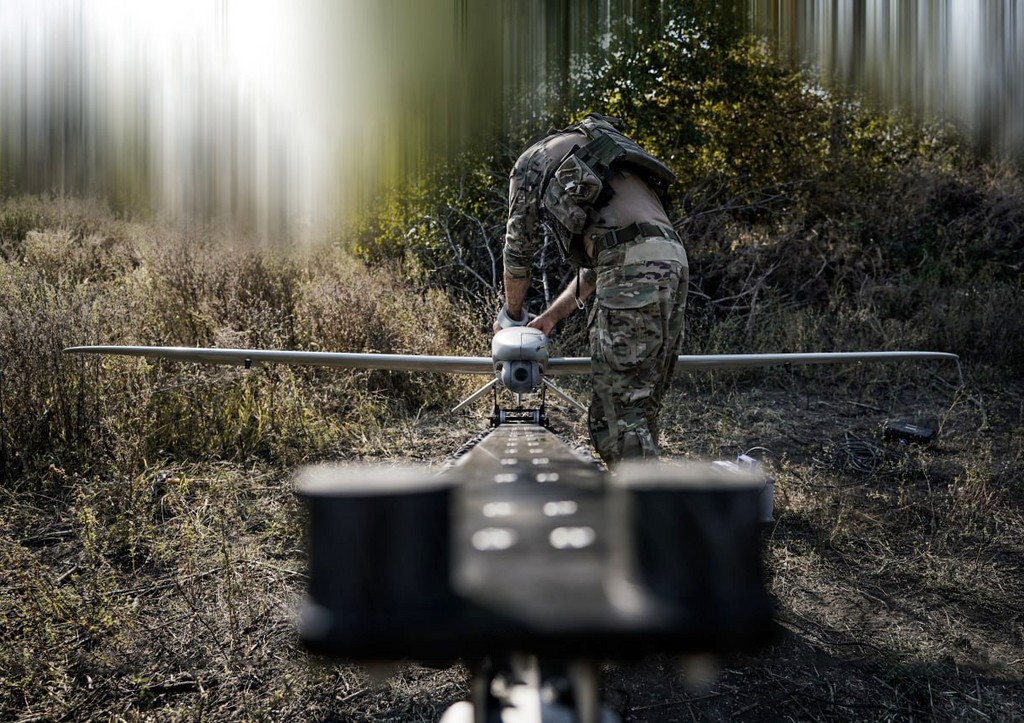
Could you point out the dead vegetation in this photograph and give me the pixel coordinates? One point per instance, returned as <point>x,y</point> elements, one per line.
<point>151,552</point>
<point>896,570</point>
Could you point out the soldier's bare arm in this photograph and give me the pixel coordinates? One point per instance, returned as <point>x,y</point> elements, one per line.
<point>515,294</point>
<point>565,303</point>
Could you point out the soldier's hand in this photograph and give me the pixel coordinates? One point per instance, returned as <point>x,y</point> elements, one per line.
<point>504,320</point>
<point>543,322</point>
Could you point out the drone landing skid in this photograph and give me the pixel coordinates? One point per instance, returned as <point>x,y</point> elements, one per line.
<point>520,415</point>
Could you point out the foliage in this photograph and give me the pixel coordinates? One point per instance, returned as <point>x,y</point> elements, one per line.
<point>130,571</point>
<point>95,279</point>
<point>446,232</point>
<point>791,199</point>
<point>710,103</point>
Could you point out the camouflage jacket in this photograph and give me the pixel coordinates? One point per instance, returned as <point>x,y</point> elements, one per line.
<point>632,201</point>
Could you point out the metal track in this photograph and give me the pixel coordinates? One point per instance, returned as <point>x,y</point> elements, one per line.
<point>525,546</point>
<point>530,538</point>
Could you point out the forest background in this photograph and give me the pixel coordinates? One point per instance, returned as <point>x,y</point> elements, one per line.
<point>151,549</point>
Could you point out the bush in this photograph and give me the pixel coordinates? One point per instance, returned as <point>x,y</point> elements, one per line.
<point>792,200</point>
<point>70,284</point>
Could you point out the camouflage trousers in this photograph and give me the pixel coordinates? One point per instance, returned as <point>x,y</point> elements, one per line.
<point>636,328</point>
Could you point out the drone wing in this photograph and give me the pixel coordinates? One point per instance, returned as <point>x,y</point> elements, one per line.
<point>251,357</point>
<point>581,365</point>
<point>556,366</point>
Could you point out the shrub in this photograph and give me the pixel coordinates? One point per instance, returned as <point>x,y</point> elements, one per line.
<point>148,285</point>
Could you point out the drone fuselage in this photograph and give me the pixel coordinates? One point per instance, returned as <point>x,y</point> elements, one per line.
<point>520,356</point>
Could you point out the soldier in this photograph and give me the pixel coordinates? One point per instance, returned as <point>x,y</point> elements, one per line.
<point>603,196</point>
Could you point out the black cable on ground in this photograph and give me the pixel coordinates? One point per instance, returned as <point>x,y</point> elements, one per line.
<point>858,454</point>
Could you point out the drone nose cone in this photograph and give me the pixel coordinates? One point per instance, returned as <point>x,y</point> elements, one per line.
<point>520,354</point>
<point>520,343</point>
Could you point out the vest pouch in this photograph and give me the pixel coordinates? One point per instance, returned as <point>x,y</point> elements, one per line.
<point>571,191</point>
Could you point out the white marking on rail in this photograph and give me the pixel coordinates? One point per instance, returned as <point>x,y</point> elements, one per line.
<point>560,508</point>
<point>494,538</point>
<point>500,509</point>
<point>572,538</point>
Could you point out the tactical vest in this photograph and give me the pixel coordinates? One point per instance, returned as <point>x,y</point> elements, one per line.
<point>575,192</point>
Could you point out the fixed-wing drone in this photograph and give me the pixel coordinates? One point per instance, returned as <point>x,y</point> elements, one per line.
<point>520,361</point>
<point>526,559</point>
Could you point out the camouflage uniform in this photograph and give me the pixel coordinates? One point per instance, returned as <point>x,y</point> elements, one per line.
<point>636,321</point>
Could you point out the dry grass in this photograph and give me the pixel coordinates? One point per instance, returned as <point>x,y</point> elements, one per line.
<point>79,279</point>
<point>897,579</point>
<point>189,614</point>
<point>138,583</point>
<point>151,552</point>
